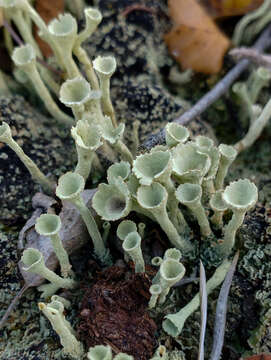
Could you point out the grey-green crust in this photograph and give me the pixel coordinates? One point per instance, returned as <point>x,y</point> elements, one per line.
<point>42,142</point>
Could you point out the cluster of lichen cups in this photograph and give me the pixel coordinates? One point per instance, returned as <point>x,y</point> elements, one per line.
<point>159,184</point>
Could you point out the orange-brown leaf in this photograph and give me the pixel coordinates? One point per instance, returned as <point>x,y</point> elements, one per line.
<point>48,10</point>
<point>1,17</point>
<point>258,357</point>
<point>223,8</point>
<point>195,41</point>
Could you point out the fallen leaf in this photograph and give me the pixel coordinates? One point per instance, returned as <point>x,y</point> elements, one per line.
<point>223,8</point>
<point>258,357</point>
<point>195,41</point>
<point>1,17</point>
<point>48,10</point>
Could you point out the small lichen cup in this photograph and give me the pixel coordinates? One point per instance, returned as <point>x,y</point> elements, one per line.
<point>49,225</point>
<point>157,166</point>
<point>219,206</point>
<point>24,57</point>
<point>100,352</point>
<point>87,139</point>
<point>240,196</point>
<point>54,312</point>
<point>189,165</point>
<point>227,156</point>
<point>176,134</point>
<point>132,246</point>
<point>121,169</point>
<point>125,228</point>
<point>155,291</point>
<point>75,93</point>
<point>70,187</point>
<point>105,66</point>
<point>93,18</point>
<point>63,33</point>
<point>173,253</point>
<point>34,262</point>
<point>190,196</point>
<point>113,201</point>
<point>171,271</point>
<point>173,323</point>
<point>154,199</point>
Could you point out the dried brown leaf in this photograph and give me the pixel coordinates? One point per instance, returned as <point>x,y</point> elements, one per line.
<point>224,8</point>
<point>48,10</point>
<point>195,41</point>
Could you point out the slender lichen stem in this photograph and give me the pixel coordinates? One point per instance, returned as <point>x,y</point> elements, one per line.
<point>255,129</point>
<point>62,255</point>
<point>85,158</point>
<point>230,232</point>
<point>82,56</point>
<point>32,167</point>
<point>173,324</point>
<point>92,227</point>
<point>46,97</point>
<point>123,150</point>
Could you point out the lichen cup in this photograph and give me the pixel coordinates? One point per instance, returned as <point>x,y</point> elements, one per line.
<point>227,155</point>
<point>105,66</point>
<point>125,228</point>
<point>176,134</point>
<point>154,199</point>
<point>171,271</point>
<point>240,196</point>
<point>190,196</point>
<point>93,18</point>
<point>113,201</point>
<point>154,166</point>
<point>219,206</point>
<point>121,169</point>
<point>62,33</point>
<point>132,246</point>
<point>34,262</point>
<point>49,225</point>
<point>75,93</point>
<point>70,187</point>
<point>87,139</point>
<point>24,57</point>
<point>157,166</point>
<point>189,165</point>
<point>155,291</point>
<point>54,311</point>
<point>100,352</point>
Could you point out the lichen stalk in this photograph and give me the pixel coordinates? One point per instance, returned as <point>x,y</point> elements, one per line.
<point>255,129</point>
<point>54,313</point>
<point>230,232</point>
<point>36,173</point>
<point>173,323</point>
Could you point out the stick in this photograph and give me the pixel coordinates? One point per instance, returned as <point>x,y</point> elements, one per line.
<point>253,55</point>
<point>263,42</point>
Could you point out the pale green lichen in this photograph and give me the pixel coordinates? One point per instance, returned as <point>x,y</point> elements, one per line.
<point>198,163</point>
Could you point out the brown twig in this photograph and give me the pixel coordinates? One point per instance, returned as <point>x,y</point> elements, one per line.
<point>253,55</point>
<point>14,35</point>
<point>263,42</point>
<point>140,7</point>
